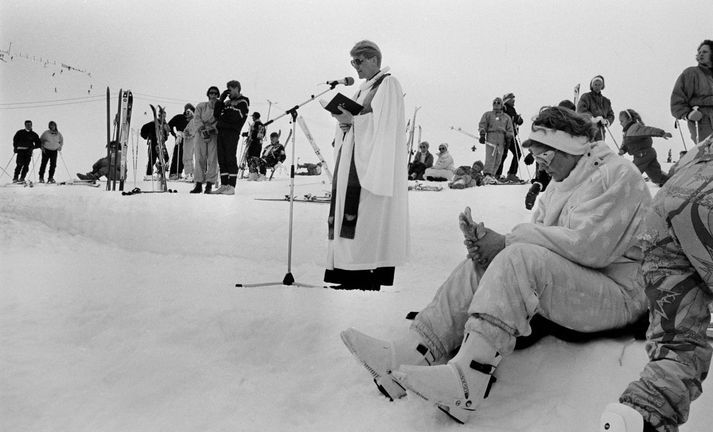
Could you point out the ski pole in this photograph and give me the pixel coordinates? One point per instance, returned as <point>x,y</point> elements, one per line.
<point>676,125</point>
<point>519,150</point>
<point>698,137</point>
<point>33,167</point>
<point>8,164</point>
<point>69,177</point>
<point>612,137</point>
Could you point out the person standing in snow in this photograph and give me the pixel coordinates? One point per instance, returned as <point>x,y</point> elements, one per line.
<point>511,144</point>
<point>51,142</point>
<point>638,143</point>
<point>23,143</point>
<point>148,132</point>
<point>368,213</point>
<point>253,148</point>
<point>177,125</point>
<point>678,257</point>
<point>692,95</point>
<point>190,134</point>
<point>496,130</point>
<point>230,117</point>
<point>578,265</point>
<point>444,167</point>
<point>206,143</point>
<point>597,106</point>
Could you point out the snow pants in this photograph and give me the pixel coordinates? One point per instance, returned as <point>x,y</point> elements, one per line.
<point>24,157</point>
<point>206,169</point>
<point>514,148</point>
<point>494,155</point>
<point>677,272</point>
<point>51,157</point>
<point>523,280</point>
<point>646,162</point>
<point>705,125</point>
<point>432,173</point>
<point>227,155</point>
<point>177,158</point>
<point>188,149</point>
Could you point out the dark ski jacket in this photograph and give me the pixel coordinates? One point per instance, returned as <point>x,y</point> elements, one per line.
<point>595,105</point>
<point>25,140</point>
<point>179,122</point>
<point>231,114</point>
<point>273,154</point>
<point>637,137</point>
<point>148,132</point>
<point>514,116</point>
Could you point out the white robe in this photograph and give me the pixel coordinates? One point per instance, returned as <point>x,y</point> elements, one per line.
<point>378,141</point>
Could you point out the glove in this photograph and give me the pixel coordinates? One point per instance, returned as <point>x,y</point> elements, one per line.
<point>695,115</point>
<point>483,251</point>
<point>667,135</point>
<point>532,195</point>
<point>597,119</point>
<point>529,159</point>
<point>224,95</point>
<point>482,138</point>
<point>622,152</point>
<point>604,122</point>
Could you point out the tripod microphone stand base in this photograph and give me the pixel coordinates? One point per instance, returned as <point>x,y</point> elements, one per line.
<point>289,280</point>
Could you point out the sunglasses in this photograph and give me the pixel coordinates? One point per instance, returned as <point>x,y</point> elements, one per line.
<point>545,158</point>
<point>423,147</point>
<point>441,148</point>
<point>213,94</point>
<point>357,62</point>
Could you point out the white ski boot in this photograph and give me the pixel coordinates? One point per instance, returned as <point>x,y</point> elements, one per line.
<point>456,388</point>
<point>618,417</point>
<point>380,357</point>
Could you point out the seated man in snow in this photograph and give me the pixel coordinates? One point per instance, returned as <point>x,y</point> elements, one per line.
<point>466,177</point>
<point>578,265</point>
<point>272,155</point>
<point>100,169</point>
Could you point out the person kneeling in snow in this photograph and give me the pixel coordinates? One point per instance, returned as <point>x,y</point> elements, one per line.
<point>577,264</point>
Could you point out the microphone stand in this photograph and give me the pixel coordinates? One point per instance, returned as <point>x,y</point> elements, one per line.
<point>289,280</point>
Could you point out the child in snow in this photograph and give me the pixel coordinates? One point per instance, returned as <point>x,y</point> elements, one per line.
<point>578,262</point>
<point>637,142</point>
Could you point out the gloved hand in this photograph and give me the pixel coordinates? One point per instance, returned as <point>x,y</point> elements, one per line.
<point>225,94</point>
<point>622,152</point>
<point>667,135</point>
<point>597,119</point>
<point>695,115</point>
<point>484,250</point>
<point>529,159</point>
<point>532,195</point>
<point>482,138</point>
<point>604,122</point>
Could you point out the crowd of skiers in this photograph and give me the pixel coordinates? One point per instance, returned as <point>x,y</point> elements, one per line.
<point>598,253</point>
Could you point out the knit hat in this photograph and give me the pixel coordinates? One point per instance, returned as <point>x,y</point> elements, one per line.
<point>256,115</point>
<point>557,139</point>
<point>508,98</point>
<point>478,166</point>
<point>598,77</point>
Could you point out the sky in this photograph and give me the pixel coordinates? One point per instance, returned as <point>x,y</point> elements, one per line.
<point>451,57</point>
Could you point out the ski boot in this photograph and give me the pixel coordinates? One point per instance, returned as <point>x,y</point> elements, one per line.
<point>618,417</point>
<point>380,357</point>
<point>41,180</point>
<point>456,388</point>
<point>197,189</point>
<point>532,195</point>
<point>208,187</point>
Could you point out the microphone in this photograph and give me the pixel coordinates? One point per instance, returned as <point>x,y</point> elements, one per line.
<point>347,81</point>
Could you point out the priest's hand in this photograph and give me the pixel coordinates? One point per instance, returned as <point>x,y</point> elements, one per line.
<point>345,119</point>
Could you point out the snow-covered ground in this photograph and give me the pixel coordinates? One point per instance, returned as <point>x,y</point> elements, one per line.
<point>121,314</point>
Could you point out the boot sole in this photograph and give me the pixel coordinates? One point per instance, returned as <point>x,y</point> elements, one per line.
<point>387,385</point>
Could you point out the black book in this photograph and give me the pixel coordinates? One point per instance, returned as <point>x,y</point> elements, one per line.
<point>339,100</point>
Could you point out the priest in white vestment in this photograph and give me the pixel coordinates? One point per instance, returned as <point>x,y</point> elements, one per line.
<point>368,219</point>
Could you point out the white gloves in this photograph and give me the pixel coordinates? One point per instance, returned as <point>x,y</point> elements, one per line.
<point>600,120</point>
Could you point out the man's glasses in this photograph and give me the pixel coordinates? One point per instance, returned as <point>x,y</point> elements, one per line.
<point>357,62</point>
<point>545,158</point>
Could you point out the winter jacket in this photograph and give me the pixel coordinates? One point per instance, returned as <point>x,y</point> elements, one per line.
<point>231,114</point>
<point>25,140</point>
<point>444,162</point>
<point>204,119</point>
<point>52,140</point>
<point>427,160</point>
<point>694,87</point>
<point>514,116</point>
<point>492,122</point>
<point>593,216</point>
<point>637,137</point>
<point>179,122</point>
<point>595,105</point>
<point>274,154</point>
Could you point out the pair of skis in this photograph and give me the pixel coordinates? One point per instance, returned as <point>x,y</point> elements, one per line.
<point>118,148</point>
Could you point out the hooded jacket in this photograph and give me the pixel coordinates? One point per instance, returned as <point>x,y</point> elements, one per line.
<point>637,137</point>
<point>593,216</point>
<point>694,87</point>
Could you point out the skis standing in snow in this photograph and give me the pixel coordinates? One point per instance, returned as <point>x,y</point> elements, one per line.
<point>578,264</point>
